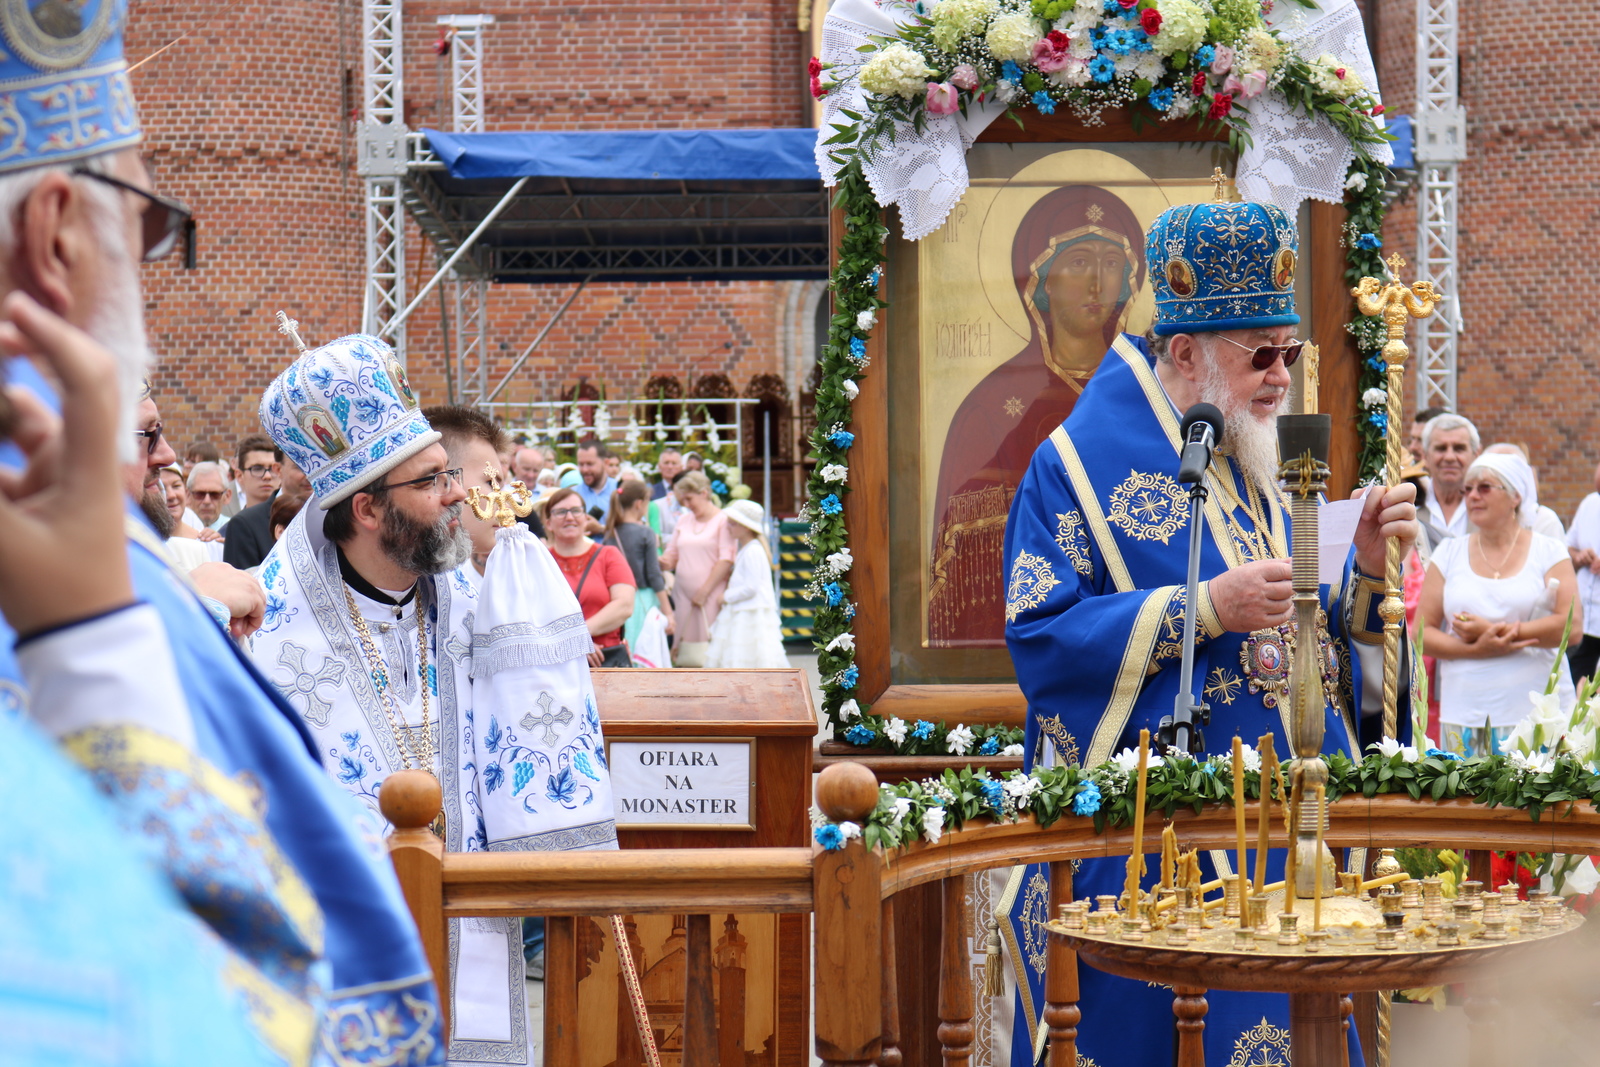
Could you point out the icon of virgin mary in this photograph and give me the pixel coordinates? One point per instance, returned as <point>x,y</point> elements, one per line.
<point>1078,260</point>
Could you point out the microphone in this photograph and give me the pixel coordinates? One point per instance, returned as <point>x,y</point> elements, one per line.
<point>1202,432</point>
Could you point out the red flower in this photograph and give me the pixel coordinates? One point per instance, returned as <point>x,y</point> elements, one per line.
<point>1128,5</point>
<point>817,91</point>
<point>814,67</point>
<point>1221,104</point>
<point>1150,19</point>
<point>1199,85</point>
<point>1377,110</point>
<point>1058,40</point>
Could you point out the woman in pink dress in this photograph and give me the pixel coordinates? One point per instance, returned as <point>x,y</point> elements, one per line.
<point>700,556</point>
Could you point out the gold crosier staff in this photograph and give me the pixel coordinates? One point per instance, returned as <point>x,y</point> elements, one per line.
<point>1397,303</point>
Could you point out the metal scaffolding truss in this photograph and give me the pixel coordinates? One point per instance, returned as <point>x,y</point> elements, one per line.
<point>381,160</point>
<point>469,283</point>
<point>466,70</point>
<point>1440,144</point>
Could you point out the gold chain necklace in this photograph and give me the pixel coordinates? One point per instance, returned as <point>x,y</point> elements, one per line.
<point>1484,552</point>
<point>1257,543</point>
<point>409,749</point>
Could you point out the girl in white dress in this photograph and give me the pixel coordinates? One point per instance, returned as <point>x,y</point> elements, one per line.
<point>1494,604</point>
<point>747,632</point>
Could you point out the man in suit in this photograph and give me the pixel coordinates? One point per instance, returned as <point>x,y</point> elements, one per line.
<point>250,531</point>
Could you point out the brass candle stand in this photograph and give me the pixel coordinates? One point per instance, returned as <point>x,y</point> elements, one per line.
<point>500,507</point>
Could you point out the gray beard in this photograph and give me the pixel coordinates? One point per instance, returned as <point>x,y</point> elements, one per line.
<point>1251,441</point>
<point>424,548</point>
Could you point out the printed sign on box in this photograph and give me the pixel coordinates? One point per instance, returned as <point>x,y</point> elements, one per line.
<point>684,783</point>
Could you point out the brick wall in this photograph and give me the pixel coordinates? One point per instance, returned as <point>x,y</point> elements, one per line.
<point>1529,199</point>
<point>248,120</point>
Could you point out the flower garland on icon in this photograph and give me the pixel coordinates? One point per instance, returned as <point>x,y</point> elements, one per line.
<point>1162,59</point>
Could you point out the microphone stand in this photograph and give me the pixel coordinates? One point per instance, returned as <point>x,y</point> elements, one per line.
<point>1181,729</point>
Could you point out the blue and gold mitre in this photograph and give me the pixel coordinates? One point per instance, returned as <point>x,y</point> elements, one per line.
<point>1222,266</point>
<point>346,415</point>
<point>64,91</point>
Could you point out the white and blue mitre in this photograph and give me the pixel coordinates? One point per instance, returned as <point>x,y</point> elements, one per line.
<point>64,91</point>
<point>1222,266</point>
<point>346,415</point>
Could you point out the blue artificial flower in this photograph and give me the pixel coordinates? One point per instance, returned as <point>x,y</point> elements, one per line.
<point>875,277</point>
<point>1161,99</point>
<point>833,593</point>
<point>994,793</point>
<point>1120,41</point>
<point>858,348</point>
<point>849,611</point>
<point>1010,71</point>
<point>1102,69</point>
<point>1042,101</point>
<point>829,837</point>
<point>1379,418</point>
<point>1376,363</point>
<point>351,771</point>
<point>923,730</point>
<point>1439,753</point>
<point>850,676</point>
<point>351,739</point>
<point>842,439</point>
<point>1369,241</point>
<point>989,747</point>
<point>1097,36</point>
<point>1204,55</point>
<point>860,735</point>
<point>1111,7</point>
<point>719,487</point>
<point>562,788</point>
<point>493,776</point>
<point>829,505</point>
<point>1087,802</point>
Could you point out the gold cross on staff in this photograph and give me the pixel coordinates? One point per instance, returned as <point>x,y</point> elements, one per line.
<point>1219,185</point>
<point>290,328</point>
<point>499,507</point>
<point>1395,262</point>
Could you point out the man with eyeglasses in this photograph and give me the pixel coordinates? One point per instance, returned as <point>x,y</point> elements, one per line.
<point>121,662</point>
<point>259,466</point>
<point>1096,555</point>
<point>208,491</point>
<point>369,633</point>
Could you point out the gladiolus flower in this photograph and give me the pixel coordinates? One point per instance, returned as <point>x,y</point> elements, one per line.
<point>941,98</point>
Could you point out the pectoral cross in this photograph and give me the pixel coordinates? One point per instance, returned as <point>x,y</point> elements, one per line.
<point>498,506</point>
<point>547,718</point>
<point>1219,185</point>
<point>290,328</point>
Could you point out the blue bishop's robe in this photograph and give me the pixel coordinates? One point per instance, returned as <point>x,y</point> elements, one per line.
<point>1096,551</point>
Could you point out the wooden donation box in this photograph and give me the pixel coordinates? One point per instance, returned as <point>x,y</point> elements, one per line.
<point>705,759</point>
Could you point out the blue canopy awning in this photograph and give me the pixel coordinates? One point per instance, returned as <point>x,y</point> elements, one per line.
<point>1400,126</point>
<point>632,155</point>
<point>628,205</point>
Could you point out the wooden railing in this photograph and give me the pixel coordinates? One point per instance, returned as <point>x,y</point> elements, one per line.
<point>851,893</point>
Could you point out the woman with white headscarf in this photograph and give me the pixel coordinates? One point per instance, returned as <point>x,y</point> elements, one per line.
<point>1494,604</point>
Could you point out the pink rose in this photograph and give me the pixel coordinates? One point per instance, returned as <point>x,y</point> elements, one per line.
<point>942,99</point>
<point>1050,51</point>
<point>964,77</point>
<point>1223,62</point>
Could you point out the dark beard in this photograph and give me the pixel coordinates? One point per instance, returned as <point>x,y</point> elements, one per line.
<point>424,548</point>
<point>154,506</point>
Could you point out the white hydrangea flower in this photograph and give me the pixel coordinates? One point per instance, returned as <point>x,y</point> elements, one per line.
<point>1012,37</point>
<point>840,561</point>
<point>955,19</point>
<point>866,320</point>
<point>835,472</point>
<point>1335,77</point>
<point>849,831</point>
<point>895,70</point>
<point>845,641</point>
<point>851,389</point>
<point>933,825</point>
<point>895,730</point>
<point>1257,50</point>
<point>958,740</point>
<point>849,709</point>
<point>1375,397</point>
<point>1183,27</point>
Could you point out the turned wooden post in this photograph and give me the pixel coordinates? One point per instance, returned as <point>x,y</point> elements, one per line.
<point>1061,1013</point>
<point>955,978</point>
<point>890,1056</point>
<point>1189,1005</point>
<point>561,990</point>
<point>410,801</point>
<point>1316,1030</point>
<point>848,902</point>
<point>699,1006</point>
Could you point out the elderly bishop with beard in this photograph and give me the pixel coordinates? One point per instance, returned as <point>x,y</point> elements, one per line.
<point>369,633</point>
<point>1096,556</point>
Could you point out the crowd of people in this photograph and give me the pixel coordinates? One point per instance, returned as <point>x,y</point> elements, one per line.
<point>1493,582</point>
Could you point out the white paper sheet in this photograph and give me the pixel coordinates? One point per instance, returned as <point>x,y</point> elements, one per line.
<point>1336,532</point>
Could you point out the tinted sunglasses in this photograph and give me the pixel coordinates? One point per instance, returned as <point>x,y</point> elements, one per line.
<point>1266,355</point>
<point>160,222</point>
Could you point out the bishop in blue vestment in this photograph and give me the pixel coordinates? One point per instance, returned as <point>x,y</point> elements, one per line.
<point>1096,554</point>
